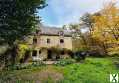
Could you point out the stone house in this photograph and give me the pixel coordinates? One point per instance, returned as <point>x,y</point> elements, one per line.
<point>47,37</point>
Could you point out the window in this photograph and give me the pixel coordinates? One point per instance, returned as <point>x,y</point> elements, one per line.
<point>48,41</point>
<point>34,40</point>
<point>39,51</point>
<point>61,33</point>
<point>34,53</point>
<point>61,41</point>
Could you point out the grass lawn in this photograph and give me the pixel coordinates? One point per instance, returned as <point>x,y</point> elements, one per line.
<point>92,70</point>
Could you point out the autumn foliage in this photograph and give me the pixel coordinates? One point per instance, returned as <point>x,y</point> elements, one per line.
<point>106,28</point>
<point>102,33</point>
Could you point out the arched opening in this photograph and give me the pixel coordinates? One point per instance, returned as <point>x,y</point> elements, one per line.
<point>61,41</point>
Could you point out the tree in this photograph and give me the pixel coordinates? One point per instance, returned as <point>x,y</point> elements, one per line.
<point>106,27</point>
<point>87,23</point>
<point>18,19</point>
<point>79,40</point>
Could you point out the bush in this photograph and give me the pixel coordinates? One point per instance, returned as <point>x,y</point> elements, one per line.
<point>55,50</point>
<point>37,64</point>
<point>14,67</point>
<point>63,62</point>
<point>114,55</point>
<point>96,53</point>
<point>24,66</point>
<point>66,51</point>
<point>23,51</point>
<point>114,51</point>
<point>80,55</point>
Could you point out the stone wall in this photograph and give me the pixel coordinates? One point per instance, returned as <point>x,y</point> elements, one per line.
<point>55,42</point>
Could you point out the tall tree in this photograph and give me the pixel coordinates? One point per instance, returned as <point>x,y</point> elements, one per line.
<point>79,40</point>
<point>18,18</point>
<point>106,27</point>
<point>87,23</point>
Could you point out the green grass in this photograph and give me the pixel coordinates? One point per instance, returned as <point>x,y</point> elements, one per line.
<point>92,70</point>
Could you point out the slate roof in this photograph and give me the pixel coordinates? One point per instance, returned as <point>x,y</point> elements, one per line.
<point>54,31</point>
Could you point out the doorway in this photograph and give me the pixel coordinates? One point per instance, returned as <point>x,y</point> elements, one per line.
<point>49,54</point>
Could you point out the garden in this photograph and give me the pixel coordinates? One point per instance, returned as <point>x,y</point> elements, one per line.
<point>92,70</point>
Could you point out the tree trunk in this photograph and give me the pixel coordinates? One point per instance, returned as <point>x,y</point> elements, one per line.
<point>105,48</point>
<point>10,55</point>
<point>14,54</point>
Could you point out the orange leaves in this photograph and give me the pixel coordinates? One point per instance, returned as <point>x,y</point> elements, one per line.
<point>106,25</point>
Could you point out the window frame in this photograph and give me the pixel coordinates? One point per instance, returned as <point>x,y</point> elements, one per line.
<point>35,40</point>
<point>48,40</point>
<point>61,41</point>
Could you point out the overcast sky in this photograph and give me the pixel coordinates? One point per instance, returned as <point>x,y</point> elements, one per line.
<point>60,12</point>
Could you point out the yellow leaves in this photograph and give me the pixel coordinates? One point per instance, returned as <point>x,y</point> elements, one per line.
<point>23,47</point>
<point>107,21</point>
<point>22,50</point>
<point>114,50</point>
<point>100,23</point>
<point>106,26</point>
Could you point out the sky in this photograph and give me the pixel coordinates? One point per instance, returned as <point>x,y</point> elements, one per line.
<point>62,12</point>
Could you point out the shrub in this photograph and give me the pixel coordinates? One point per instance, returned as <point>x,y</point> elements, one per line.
<point>24,66</point>
<point>37,63</point>
<point>64,51</point>
<point>14,67</point>
<point>96,53</point>
<point>63,62</point>
<point>23,51</point>
<point>55,50</point>
<point>114,52</point>
<point>68,53</point>
<point>80,55</point>
<point>82,48</point>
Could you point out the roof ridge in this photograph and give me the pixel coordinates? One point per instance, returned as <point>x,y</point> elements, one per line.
<point>53,31</point>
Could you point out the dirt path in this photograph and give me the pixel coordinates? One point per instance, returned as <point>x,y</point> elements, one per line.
<point>48,73</point>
